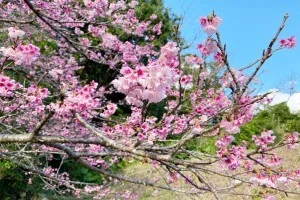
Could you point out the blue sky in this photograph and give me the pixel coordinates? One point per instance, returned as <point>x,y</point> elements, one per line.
<point>247,28</point>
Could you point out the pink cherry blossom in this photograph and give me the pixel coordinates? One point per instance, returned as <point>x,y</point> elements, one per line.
<point>292,140</point>
<point>288,43</point>
<point>210,24</point>
<point>15,33</point>
<point>264,139</point>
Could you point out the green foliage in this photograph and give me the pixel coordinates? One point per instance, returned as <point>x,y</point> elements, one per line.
<point>205,145</point>
<point>169,21</point>
<point>13,183</point>
<point>46,45</point>
<point>79,173</point>
<point>3,37</point>
<point>157,109</point>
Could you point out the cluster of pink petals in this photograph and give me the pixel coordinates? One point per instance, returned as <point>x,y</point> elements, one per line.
<point>269,197</point>
<point>208,47</point>
<point>141,83</point>
<point>96,31</point>
<point>99,4</point>
<point>15,33</point>
<point>150,83</point>
<point>157,28</point>
<point>211,103</point>
<point>266,138</point>
<point>34,95</point>
<point>22,54</point>
<point>292,140</point>
<point>263,180</point>
<point>98,191</point>
<point>173,177</point>
<point>109,110</point>
<point>267,180</point>
<point>7,86</point>
<point>228,81</point>
<point>231,159</point>
<point>210,24</point>
<point>224,141</point>
<point>81,100</point>
<point>230,127</point>
<point>186,82</point>
<point>274,161</point>
<point>241,116</point>
<point>218,58</point>
<point>193,62</point>
<point>288,43</point>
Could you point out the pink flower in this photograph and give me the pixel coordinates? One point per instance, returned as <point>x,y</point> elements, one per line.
<point>216,21</point>
<point>203,21</point>
<point>111,109</point>
<point>288,43</point>
<point>210,24</point>
<point>26,54</point>
<point>15,33</point>
<point>8,52</point>
<point>133,4</point>
<point>150,82</point>
<point>85,42</point>
<point>193,60</point>
<point>8,86</point>
<point>153,16</point>
<point>157,28</point>
<point>210,29</point>
<point>224,141</point>
<point>230,127</point>
<point>263,180</point>
<point>173,177</point>
<point>186,81</point>
<point>126,70</point>
<point>292,140</point>
<point>96,31</point>
<point>264,139</point>
<point>208,47</point>
<point>218,57</point>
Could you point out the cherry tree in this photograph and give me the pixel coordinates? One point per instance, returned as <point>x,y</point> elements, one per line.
<point>47,110</point>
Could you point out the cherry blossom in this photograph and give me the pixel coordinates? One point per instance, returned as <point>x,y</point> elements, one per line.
<point>288,43</point>
<point>15,33</point>
<point>52,108</point>
<point>210,24</point>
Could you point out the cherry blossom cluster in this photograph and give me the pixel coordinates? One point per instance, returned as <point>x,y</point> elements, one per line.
<point>269,179</point>
<point>208,47</point>
<point>79,100</point>
<point>193,62</point>
<point>288,43</point>
<point>150,83</point>
<point>15,33</point>
<point>210,24</point>
<point>292,140</point>
<point>22,54</point>
<point>8,86</point>
<point>197,101</point>
<point>109,110</point>
<point>266,138</point>
<point>209,104</point>
<point>231,157</point>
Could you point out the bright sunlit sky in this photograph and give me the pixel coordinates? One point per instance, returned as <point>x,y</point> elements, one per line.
<point>247,28</point>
